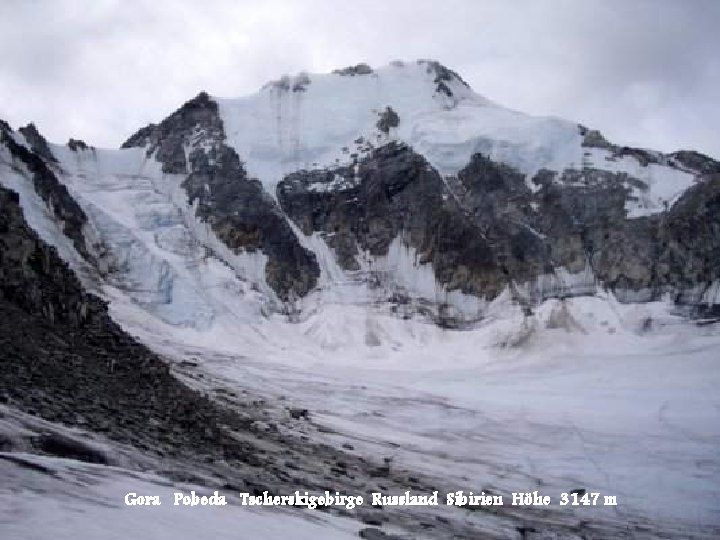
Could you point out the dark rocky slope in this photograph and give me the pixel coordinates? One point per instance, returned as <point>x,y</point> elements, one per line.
<point>240,212</point>
<point>37,161</point>
<point>396,192</point>
<point>487,228</point>
<point>65,360</point>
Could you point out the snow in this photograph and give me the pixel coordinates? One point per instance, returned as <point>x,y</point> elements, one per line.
<point>87,501</point>
<point>588,393</point>
<point>15,176</point>
<point>162,258</point>
<point>665,184</point>
<point>278,131</point>
<point>338,183</point>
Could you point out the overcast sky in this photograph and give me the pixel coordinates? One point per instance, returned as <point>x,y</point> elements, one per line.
<point>645,72</point>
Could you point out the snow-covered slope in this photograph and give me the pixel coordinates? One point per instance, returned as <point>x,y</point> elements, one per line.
<point>315,121</point>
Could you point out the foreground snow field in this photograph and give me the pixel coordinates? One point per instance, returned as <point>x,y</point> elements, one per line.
<point>607,402</point>
<point>620,401</point>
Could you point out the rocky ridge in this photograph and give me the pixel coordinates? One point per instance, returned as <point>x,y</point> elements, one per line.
<point>191,142</point>
<point>40,161</point>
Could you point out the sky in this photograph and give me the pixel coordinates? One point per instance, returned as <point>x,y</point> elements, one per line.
<point>644,72</point>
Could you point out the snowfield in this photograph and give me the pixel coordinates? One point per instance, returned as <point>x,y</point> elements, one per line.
<point>318,121</point>
<point>596,403</point>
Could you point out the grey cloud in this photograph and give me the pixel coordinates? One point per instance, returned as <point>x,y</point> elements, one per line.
<point>644,72</point>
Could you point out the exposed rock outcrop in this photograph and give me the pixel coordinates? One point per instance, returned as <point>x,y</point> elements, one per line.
<point>56,196</point>
<point>487,229</point>
<point>359,69</point>
<point>443,76</point>
<point>196,120</point>
<point>388,119</point>
<point>689,160</point>
<point>689,245</point>
<point>64,359</point>
<point>244,217</point>
<point>77,144</point>
<point>37,142</point>
<point>395,193</point>
<point>695,161</point>
<point>240,212</point>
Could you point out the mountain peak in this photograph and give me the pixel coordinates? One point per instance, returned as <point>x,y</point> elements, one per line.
<point>446,81</point>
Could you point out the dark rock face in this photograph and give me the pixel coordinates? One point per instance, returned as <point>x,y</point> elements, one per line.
<point>55,194</point>
<point>388,119</point>
<point>239,211</point>
<point>687,160</point>
<point>396,192</point>
<point>64,359</point>
<point>141,137</point>
<point>487,228</point>
<point>667,252</point>
<point>244,217</point>
<point>77,144</point>
<point>689,238</point>
<point>37,142</point>
<point>443,75</point>
<point>169,137</point>
<point>31,276</point>
<point>695,161</point>
<point>351,71</point>
<point>578,218</point>
<point>301,82</point>
<point>592,138</point>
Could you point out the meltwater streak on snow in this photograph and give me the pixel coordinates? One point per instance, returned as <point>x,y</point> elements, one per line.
<point>402,267</point>
<point>378,278</point>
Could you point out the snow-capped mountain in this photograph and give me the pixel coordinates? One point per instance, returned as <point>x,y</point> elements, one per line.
<point>399,184</point>
<point>301,253</point>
